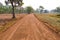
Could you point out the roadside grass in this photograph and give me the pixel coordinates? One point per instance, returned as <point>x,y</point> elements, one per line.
<point>7,25</point>
<point>51,19</point>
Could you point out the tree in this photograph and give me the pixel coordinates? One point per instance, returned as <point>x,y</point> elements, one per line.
<point>53,11</point>
<point>37,10</point>
<point>1,4</point>
<point>14,3</point>
<point>58,9</point>
<point>41,9</point>
<point>46,11</point>
<point>29,9</point>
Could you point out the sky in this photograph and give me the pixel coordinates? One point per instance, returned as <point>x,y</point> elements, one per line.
<point>47,4</point>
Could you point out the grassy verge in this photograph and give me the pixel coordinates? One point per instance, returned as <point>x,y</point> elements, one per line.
<point>51,19</point>
<point>7,25</point>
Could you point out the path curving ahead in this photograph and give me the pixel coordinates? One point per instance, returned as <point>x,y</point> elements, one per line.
<point>29,28</point>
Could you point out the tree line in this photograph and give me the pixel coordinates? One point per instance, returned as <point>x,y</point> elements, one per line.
<point>15,7</point>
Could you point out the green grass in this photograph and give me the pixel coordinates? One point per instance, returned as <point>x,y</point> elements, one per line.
<point>51,19</point>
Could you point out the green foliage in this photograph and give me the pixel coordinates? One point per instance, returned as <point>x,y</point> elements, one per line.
<point>14,3</point>
<point>5,9</point>
<point>29,9</point>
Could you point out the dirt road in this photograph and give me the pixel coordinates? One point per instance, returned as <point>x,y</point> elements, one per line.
<point>29,28</point>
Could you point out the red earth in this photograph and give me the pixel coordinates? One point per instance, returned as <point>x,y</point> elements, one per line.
<point>29,28</point>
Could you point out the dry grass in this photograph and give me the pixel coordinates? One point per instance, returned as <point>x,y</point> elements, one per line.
<point>51,19</point>
<point>6,25</point>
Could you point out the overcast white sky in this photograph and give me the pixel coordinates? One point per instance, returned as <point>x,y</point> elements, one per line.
<point>48,4</point>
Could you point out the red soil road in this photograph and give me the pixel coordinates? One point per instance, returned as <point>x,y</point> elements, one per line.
<point>29,28</point>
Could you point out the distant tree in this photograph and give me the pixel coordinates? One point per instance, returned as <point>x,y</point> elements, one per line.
<point>53,11</point>
<point>46,11</point>
<point>1,4</point>
<point>29,9</point>
<point>14,3</point>
<point>41,9</point>
<point>19,9</point>
<point>58,9</point>
<point>37,10</point>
